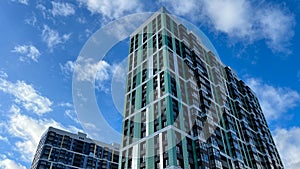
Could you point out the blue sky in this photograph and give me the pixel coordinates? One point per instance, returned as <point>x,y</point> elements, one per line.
<point>41,41</point>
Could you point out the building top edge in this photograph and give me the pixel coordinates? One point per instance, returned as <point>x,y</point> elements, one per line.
<point>83,137</point>
<point>204,41</point>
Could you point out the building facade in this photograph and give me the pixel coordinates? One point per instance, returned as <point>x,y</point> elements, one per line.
<point>59,149</point>
<point>184,109</point>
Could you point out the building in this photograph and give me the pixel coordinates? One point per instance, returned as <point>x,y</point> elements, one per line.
<point>60,149</point>
<point>185,109</point>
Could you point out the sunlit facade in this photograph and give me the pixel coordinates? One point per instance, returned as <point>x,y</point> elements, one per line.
<point>184,109</point>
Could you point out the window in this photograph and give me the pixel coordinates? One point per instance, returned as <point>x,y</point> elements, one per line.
<point>204,158</point>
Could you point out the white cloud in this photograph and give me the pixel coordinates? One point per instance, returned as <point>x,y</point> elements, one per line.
<point>112,9</point>
<point>53,38</point>
<point>2,127</point>
<point>26,96</point>
<point>277,27</point>
<point>122,30</point>
<point>29,51</point>
<point>41,7</point>
<point>66,104</point>
<point>9,164</point>
<point>24,2</point>
<point>31,20</point>
<point>43,10</point>
<point>86,69</point>
<point>288,144</point>
<point>3,74</point>
<point>275,101</point>
<point>242,20</point>
<point>14,109</point>
<point>72,115</point>
<point>5,139</point>
<point>88,32</point>
<point>29,135</point>
<point>81,20</point>
<point>232,16</point>
<point>119,71</point>
<point>89,70</point>
<point>62,9</point>
<point>186,7</point>
<point>69,111</point>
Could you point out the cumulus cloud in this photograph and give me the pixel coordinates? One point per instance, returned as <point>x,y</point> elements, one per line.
<point>9,164</point>
<point>277,28</point>
<point>53,38</point>
<point>242,20</point>
<point>112,9</point>
<point>275,101</point>
<point>27,52</point>
<point>28,136</point>
<point>232,16</point>
<point>86,69</point>
<point>26,96</point>
<point>62,9</point>
<point>288,144</point>
<point>100,73</point>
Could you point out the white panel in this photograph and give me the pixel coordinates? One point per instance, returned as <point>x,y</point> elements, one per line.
<point>147,121</point>
<point>175,63</point>
<point>158,85</point>
<point>135,155</point>
<point>161,158</point>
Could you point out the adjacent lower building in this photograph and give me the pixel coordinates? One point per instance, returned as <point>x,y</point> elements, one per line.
<point>185,109</point>
<point>60,149</point>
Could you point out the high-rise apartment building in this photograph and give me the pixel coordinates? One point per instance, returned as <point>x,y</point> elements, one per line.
<point>185,109</point>
<point>59,149</point>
